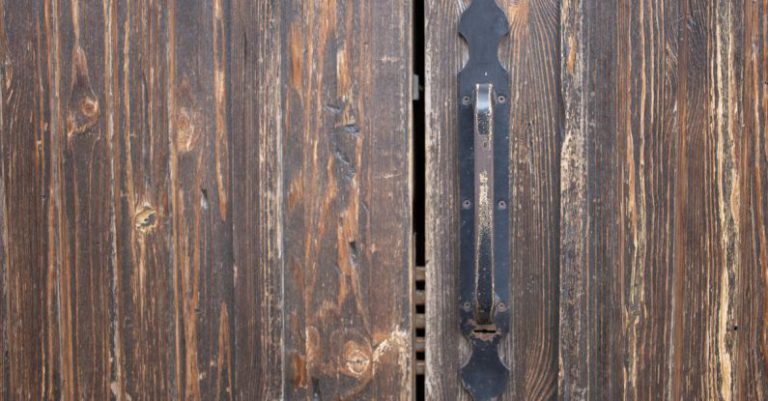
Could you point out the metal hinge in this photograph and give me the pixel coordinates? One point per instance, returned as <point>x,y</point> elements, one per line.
<point>483,87</point>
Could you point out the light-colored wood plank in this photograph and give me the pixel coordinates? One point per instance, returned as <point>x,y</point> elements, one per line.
<point>660,219</point>
<point>203,275</point>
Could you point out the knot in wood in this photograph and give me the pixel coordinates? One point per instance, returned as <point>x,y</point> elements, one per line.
<point>84,117</point>
<point>89,108</point>
<point>145,219</point>
<point>83,110</point>
<point>186,132</point>
<point>357,359</point>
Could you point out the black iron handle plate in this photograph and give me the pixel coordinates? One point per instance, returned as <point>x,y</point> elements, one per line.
<point>483,87</point>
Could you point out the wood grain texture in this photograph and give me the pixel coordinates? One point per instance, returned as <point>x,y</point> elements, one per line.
<point>530,54</point>
<point>151,153</point>
<point>348,254</point>
<point>84,235</point>
<point>663,282</point>
<point>199,174</point>
<point>257,201</point>
<point>138,104</point>
<point>751,295</point>
<point>28,330</point>
<point>212,200</point>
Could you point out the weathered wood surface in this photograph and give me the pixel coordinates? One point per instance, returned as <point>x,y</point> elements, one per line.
<point>531,54</point>
<point>205,200</point>
<point>642,233</point>
<point>212,200</point>
<point>348,257</point>
<point>663,212</point>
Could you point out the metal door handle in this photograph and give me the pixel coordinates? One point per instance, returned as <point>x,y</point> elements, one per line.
<point>483,144</point>
<point>484,190</point>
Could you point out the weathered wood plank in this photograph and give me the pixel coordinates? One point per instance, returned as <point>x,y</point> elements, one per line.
<point>658,168</point>
<point>28,332</point>
<point>137,106</point>
<point>84,233</point>
<point>751,295</point>
<point>347,200</point>
<point>203,275</point>
<point>4,371</point>
<point>535,129</point>
<point>257,201</point>
<point>443,338</point>
<point>530,54</point>
<point>139,146</point>
<point>4,62</point>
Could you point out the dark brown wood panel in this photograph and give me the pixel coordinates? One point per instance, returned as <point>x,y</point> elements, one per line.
<point>750,318</point>
<point>28,332</point>
<point>662,273</point>
<point>84,235</point>
<point>257,198</point>
<point>348,257</point>
<point>531,55</point>
<point>200,181</point>
<point>159,161</point>
<point>137,102</point>
<point>212,200</point>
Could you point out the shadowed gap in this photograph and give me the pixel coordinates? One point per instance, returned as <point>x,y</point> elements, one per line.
<point>419,175</point>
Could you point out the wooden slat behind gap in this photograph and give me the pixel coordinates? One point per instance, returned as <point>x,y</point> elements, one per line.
<point>419,324</point>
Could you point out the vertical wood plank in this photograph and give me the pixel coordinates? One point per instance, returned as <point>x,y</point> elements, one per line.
<point>4,371</point>
<point>5,60</point>
<point>444,58</point>
<point>257,201</point>
<point>751,298</point>
<point>530,54</point>
<point>137,106</point>
<point>535,132</point>
<point>85,232</point>
<point>386,190</point>
<point>4,368</point>
<point>27,297</point>
<point>574,224</point>
<point>203,276</point>
<point>659,228</point>
<point>347,200</point>
<point>4,315</point>
<point>144,255</point>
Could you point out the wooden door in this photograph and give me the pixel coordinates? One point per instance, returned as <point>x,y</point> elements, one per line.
<point>663,216</point>
<point>205,200</point>
<point>638,222</point>
<point>257,200</point>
